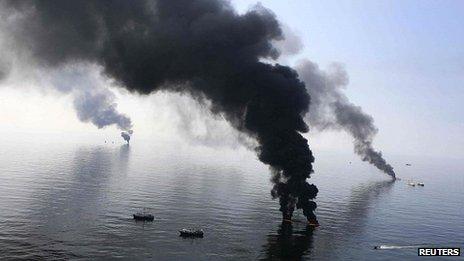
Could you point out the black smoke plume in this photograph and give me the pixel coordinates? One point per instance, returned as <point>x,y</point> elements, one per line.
<point>288,243</point>
<point>200,47</point>
<point>331,109</point>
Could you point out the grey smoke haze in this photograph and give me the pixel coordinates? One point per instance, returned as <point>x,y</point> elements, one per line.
<point>3,71</point>
<point>99,108</point>
<point>5,60</point>
<point>291,44</point>
<point>331,109</point>
<point>5,67</point>
<point>199,126</point>
<point>93,101</point>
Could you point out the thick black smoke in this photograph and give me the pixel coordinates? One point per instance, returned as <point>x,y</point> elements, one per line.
<point>201,47</point>
<point>330,108</point>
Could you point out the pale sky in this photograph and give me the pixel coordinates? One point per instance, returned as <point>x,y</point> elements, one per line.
<point>404,58</point>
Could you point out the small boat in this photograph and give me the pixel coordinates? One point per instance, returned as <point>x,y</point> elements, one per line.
<point>408,164</point>
<point>144,215</point>
<point>412,184</point>
<point>191,232</point>
<point>420,184</point>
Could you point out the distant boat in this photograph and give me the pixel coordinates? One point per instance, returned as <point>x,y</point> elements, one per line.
<point>412,184</point>
<point>408,164</point>
<point>420,184</point>
<point>191,232</point>
<point>144,216</point>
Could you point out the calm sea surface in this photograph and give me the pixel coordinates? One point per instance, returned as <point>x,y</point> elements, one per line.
<point>75,200</point>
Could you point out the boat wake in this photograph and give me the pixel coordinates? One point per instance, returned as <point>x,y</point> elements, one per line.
<point>386,247</point>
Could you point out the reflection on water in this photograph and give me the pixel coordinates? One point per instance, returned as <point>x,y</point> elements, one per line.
<point>361,200</point>
<point>288,243</point>
<point>124,153</point>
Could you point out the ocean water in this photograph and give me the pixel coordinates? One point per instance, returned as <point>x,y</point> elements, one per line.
<point>75,200</point>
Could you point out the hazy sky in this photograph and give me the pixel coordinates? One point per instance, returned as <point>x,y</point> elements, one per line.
<point>404,58</point>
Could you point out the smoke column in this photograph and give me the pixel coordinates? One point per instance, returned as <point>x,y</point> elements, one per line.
<point>200,47</point>
<point>99,108</point>
<point>331,109</point>
<point>92,100</point>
